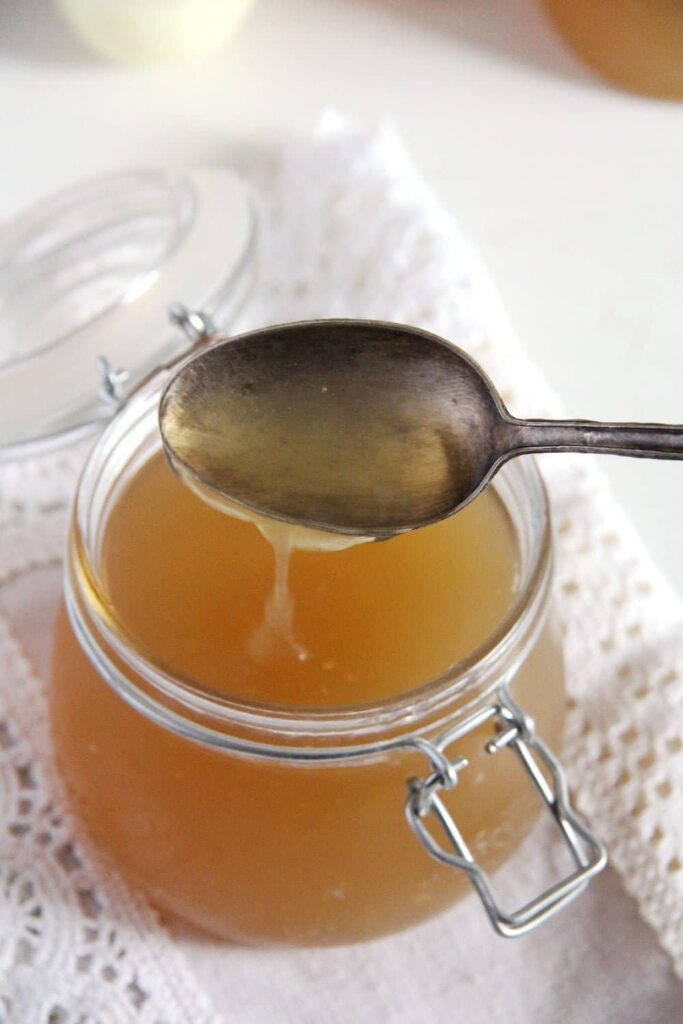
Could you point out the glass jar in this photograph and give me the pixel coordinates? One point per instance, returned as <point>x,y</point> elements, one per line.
<point>268,824</point>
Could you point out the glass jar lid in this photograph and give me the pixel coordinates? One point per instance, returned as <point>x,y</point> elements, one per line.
<point>86,279</point>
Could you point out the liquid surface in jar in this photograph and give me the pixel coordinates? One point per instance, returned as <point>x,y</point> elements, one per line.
<point>636,43</point>
<point>198,588</point>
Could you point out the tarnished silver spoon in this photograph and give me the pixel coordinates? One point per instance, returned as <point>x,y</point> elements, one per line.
<point>359,427</point>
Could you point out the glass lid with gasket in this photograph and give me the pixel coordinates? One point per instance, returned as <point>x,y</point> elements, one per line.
<point>86,280</point>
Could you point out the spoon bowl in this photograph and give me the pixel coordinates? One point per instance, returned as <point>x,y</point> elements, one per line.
<point>358,427</point>
<point>348,426</point>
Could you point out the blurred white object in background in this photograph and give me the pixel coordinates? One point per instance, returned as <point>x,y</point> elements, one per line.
<point>153,30</point>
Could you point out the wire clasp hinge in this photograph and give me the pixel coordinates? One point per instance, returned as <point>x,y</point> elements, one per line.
<point>198,327</point>
<point>516,731</point>
<point>112,384</point>
<point>115,385</point>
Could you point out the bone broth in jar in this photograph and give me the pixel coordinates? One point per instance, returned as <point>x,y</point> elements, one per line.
<point>287,739</point>
<point>280,736</point>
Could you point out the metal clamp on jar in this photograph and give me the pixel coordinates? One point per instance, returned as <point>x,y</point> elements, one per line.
<point>516,731</point>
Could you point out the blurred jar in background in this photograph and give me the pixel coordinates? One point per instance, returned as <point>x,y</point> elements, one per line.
<point>153,31</point>
<point>636,43</point>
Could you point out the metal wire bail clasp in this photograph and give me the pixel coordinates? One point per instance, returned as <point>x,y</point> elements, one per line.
<point>515,731</point>
<point>115,384</point>
<point>198,327</point>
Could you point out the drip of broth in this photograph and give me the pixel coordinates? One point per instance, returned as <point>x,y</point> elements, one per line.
<point>275,634</point>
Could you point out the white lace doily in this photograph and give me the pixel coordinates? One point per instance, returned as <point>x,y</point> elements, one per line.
<point>347,229</point>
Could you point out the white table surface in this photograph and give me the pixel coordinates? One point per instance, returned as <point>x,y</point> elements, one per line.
<point>571,189</point>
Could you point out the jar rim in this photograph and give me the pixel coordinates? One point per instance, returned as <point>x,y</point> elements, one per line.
<point>173,698</point>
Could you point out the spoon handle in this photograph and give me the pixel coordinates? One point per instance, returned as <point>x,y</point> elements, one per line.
<point>640,440</point>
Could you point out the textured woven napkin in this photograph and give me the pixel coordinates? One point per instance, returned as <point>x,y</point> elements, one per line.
<point>347,229</point>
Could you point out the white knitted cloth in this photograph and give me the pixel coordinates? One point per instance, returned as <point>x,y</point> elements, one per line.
<point>348,230</point>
